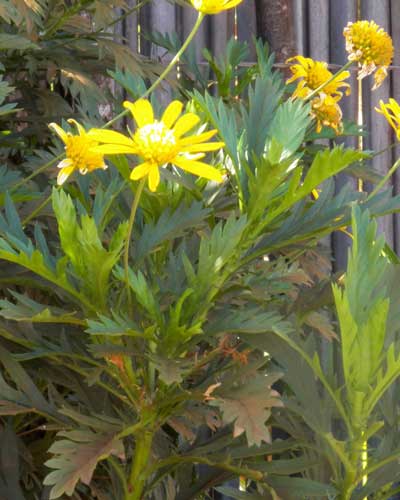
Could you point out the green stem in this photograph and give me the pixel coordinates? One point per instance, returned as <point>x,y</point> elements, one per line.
<point>36,211</point>
<point>384,180</point>
<point>129,235</point>
<point>37,171</point>
<point>357,459</point>
<point>120,473</point>
<point>167,69</point>
<point>255,475</point>
<point>138,476</point>
<point>333,78</point>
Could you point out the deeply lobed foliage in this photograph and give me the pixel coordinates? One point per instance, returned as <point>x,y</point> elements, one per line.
<point>173,377</point>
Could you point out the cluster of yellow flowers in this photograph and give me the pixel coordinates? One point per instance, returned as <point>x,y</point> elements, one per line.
<point>324,104</point>
<point>165,141</point>
<point>157,142</point>
<point>368,45</point>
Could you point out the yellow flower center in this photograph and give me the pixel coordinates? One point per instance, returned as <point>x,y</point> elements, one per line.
<point>77,150</point>
<point>156,143</point>
<point>317,75</point>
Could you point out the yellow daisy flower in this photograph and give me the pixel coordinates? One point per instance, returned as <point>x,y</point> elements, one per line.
<point>371,47</point>
<point>77,152</point>
<point>160,142</point>
<point>327,112</point>
<point>391,111</point>
<point>214,6</point>
<point>312,75</point>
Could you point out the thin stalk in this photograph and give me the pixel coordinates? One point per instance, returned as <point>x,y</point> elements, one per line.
<point>332,79</point>
<point>384,180</point>
<point>120,473</point>
<point>37,172</point>
<point>135,204</point>
<point>138,476</point>
<point>255,475</point>
<point>166,71</point>
<point>359,467</point>
<point>36,211</point>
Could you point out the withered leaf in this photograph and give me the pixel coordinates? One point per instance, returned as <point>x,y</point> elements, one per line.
<point>248,407</point>
<point>77,457</point>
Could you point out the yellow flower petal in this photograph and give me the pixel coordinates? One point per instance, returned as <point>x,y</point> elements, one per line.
<point>207,146</point>
<point>114,149</point>
<point>59,131</point>
<point>171,114</point>
<point>185,123</point>
<point>198,168</point>
<point>154,178</point>
<point>391,111</point>
<point>64,174</point>
<point>65,163</point>
<point>140,171</point>
<point>109,136</point>
<point>141,110</point>
<point>195,139</point>
<point>78,126</point>
<point>214,6</point>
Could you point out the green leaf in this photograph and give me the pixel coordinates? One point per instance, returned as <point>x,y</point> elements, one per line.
<point>91,262</point>
<point>142,290</point>
<point>27,396</point>
<point>289,126</point>
<point>239,495</point>
<point>16,42</point>
<point>77,457</point>
<point>169,226</point>
<point>26,309</point>
<point>113,327</point>
<point>296,487</point>
<point>248,321</point>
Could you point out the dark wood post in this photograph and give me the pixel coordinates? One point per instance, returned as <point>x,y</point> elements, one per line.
<point>275,24</point>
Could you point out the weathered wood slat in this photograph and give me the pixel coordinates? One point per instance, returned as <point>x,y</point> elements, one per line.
<point>341,12</point>
<point>379,136</point>
<point>247,25</point>
<point>395,81</point>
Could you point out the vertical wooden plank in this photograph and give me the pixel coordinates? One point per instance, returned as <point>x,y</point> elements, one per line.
<point>222,28</point>
<point>275,22</point>
<point>378,138</point>
<point>318,43</point>
<point>341,12</point>
<point>247,25</point>
<point>300,27</point>
<point>130,27</point>
<point>318,29</point>
<point>163,19</point>
<point>145,26</point>
<point>188,17</point>
<point>395,80</point>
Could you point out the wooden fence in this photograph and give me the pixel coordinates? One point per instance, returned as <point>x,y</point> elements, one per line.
<point>316,27</point>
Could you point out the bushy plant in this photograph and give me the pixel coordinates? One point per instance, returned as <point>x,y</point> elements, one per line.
<point>153,337</point>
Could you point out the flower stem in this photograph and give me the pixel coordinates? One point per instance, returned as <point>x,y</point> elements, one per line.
<point>167,69</point>
<point>37,210</point>
<point>135,204</point>
<point>384,180</point>
<point>37,171</point>
<point>137,478</point>
<point>333,78</point>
